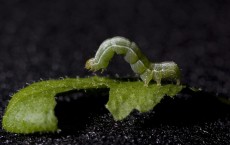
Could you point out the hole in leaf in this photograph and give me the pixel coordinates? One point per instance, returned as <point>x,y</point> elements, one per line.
<point>74,108</point>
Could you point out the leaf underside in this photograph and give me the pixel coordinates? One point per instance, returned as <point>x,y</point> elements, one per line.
<point>32,108</point>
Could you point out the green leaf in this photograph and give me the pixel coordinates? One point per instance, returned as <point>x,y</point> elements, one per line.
<point>126,96</point>
<point>32,108</point>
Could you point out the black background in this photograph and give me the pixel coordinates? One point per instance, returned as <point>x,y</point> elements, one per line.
<point>53,39</point>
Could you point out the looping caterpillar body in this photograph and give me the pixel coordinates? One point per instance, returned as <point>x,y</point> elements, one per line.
<point>139,63</point>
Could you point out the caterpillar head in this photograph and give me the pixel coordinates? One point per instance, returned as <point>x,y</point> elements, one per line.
<point>89,64</point>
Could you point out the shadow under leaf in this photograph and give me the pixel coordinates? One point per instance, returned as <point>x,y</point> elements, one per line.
<point>188,108</point>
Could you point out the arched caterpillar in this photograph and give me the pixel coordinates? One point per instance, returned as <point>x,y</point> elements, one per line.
<point>139,63</point>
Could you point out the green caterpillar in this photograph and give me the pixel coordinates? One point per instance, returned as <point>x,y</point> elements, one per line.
<point>139,63</point>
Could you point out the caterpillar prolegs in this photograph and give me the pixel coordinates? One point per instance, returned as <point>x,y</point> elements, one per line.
<point>139,63</point>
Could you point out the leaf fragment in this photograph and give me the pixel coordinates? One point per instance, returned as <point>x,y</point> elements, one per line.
<point>32,108</point>
<point>127,96</point>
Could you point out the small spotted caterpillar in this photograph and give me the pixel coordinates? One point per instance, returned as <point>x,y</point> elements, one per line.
<point>139,63</point>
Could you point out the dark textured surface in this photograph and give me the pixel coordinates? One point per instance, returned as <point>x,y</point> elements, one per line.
<point>54,39</point>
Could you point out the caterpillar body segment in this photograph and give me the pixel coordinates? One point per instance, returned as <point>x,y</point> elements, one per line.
<point>139,63</point>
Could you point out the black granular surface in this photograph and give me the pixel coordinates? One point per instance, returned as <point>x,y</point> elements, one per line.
<point>53,39</point>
